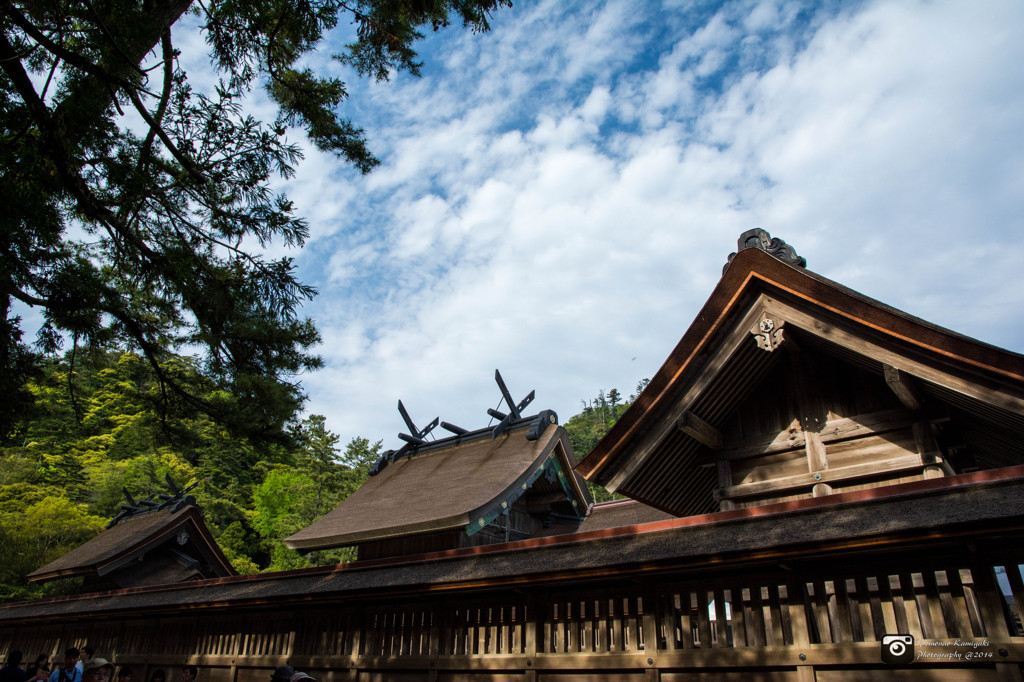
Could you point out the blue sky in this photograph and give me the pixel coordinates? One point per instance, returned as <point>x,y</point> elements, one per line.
<point>558,196</point>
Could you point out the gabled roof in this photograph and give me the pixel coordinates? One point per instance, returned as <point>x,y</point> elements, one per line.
<point>451,486</point>
<point>117,548</point>
<point>651,453</point>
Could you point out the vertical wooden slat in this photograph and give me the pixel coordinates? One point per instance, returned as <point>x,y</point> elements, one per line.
<point>774,611</point>
<point>890,624</point>
<point>1017,589</point>
<point>651,624</point>
<point>703,619</point>
<point>843,630</point>
<point>966,584</point>
<point>820,607</point>
<point>551,629</point>
<point>917,617</point>
<point>480,624</point>
<point>493,616</point>
<point>684,610</point>
<point>758,627</point>
<point>434,634</point>
<point>936,615</point>
<point>505,616</point>
<point>986,591</point>
<point>860,610</point>
<point>589,616</point>
<point>629,634</point>
<point>617,639</point>
<point>530,628</point>
<point>795,607</point>
<point>604,637</point>
<point>739,629</point>
<point>721,619</point>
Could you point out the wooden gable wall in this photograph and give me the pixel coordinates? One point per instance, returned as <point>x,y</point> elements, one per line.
<point>816,424</point>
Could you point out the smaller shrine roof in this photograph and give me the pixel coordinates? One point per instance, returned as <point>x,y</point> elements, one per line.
<point>131,538</point>
<point>446,487</point>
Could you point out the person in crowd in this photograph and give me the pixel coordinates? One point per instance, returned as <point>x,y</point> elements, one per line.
<point>12,672</point>
<point>125,674</point>
<point>84,656</point>
<point>41,673</point>
<point>282,673</point>
<point>158,676</point>
<point>97,670</point>
<point>69,672</point>
<point>42,661</point>
<point>189,673</point>
<point>300,677</point>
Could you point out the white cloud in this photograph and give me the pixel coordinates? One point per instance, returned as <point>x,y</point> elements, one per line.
<point>560,199</point>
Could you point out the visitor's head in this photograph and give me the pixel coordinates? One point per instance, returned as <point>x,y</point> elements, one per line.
<point>189,673</point>
<point>97,670</point>
<point>70,657</point>
<point>282,673</point>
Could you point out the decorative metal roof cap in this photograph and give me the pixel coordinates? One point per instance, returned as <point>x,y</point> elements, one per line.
<point>175,501</point>
<point>416,440</point>
<point>760,239</point>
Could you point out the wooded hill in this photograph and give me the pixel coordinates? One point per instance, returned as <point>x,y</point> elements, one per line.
<point>100,422</point>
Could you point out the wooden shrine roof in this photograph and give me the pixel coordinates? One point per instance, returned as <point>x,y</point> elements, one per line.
<point>441,488</point>
<point>651,454</point>
<point>958,508</point>
<point>131,538</point>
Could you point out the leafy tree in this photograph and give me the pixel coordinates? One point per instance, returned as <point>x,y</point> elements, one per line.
<point>146,235</point>
<point>592,423</point>
<point>36,534</point>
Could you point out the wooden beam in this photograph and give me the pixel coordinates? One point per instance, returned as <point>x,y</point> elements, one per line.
<point>698,429</point>
<point>903,386</point>
<point>817,458</point>
<point>894,464</point>
<point>653,437</point>
<point>996,396</point>
<point>835,430</point>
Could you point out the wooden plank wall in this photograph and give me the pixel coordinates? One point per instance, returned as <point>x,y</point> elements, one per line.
<point>816,624</point>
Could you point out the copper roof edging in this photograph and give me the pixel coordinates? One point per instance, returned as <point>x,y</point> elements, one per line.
<point>886,493</point>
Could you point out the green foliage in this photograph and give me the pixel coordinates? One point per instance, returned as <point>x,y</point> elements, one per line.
<point>37,533</point>
<point>99,427</point>
<point>589,426</point>
<point>148,235</point>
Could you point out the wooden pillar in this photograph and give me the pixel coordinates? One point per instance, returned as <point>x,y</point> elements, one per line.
<point>724,483</point>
